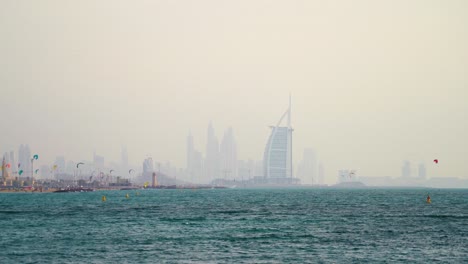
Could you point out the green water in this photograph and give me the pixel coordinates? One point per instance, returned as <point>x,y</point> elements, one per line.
<point>235,226</point>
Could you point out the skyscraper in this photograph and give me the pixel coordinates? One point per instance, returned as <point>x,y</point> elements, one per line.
<point>228,155</point>
<point>406,169</point>
<point>277,158</point>
<point>422,171</point>
<point>24,159</point>
<point>307,169</point>
<point>194,168</point>
<point>212,155</point>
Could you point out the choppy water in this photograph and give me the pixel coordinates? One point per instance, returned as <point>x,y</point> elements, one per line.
<point>235,226</point>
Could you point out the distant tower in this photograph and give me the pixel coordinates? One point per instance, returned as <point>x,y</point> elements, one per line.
<point>422,171</point>
<point>277,158</point>
<point>194,161</point>
<point>228,155</point>
<point>308,167</point>
<point>406,169</point>
<point>24,158</point>
<point>212,155</point>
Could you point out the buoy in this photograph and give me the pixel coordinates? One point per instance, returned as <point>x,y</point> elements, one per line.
<point>127,196</point>
<point>428,200</point>
<point>103,198</point>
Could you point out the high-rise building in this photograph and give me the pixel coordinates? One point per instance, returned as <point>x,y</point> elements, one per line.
<point>307,169</point>
<point>212,156</point>
<point>24,159</point>
<point>406,169</point>
<point>277,158</point>
<point>422,171</point>
<point>228,155</point>
<point>194,168</point>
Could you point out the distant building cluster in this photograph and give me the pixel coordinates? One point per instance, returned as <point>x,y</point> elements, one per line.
<point>221,165</point>
<point>218,165</point>
<point>21,171</point>
<point>220,161</point>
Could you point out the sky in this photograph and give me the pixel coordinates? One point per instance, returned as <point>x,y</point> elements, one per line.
<point>373,83</point>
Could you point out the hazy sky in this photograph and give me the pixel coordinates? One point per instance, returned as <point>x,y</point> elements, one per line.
<point>373,82</point>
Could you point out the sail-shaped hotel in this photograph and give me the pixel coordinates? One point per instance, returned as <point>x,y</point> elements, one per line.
<point>277,158</point>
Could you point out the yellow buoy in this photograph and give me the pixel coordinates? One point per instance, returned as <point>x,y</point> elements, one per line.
<point>104,198</point>
<point>127,196</point>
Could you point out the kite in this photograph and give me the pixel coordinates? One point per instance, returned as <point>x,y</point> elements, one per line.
<point>436,161</point>
<point>77,165</point>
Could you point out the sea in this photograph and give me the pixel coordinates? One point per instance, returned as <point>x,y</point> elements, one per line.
<point>236,226</point>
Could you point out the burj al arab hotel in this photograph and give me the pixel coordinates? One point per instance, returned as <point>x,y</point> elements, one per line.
<point>277,158</point>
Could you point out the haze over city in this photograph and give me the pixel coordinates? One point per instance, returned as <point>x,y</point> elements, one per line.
<point>372,84</point>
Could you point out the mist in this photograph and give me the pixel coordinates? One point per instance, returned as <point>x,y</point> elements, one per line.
<point>373,83</point>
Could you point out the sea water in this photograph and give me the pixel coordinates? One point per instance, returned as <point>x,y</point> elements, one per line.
<point>235,226</point>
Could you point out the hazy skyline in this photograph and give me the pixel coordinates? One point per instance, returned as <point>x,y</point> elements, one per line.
<point>373,83</point>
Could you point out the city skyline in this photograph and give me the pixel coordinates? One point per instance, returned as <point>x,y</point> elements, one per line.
<point>372,84</point>
<point>309,169</point>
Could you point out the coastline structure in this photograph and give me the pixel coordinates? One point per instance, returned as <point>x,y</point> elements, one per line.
<point>277,158</point>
